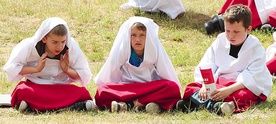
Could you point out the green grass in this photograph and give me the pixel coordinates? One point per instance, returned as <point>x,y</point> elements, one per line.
<point>94,25</point>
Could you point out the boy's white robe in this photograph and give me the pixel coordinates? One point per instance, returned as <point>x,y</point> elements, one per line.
<point>171,7</point>
<point>249,68</point>
<point>25,54</point>
<point>156,64</point>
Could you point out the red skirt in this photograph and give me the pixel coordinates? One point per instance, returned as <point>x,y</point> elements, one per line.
<point>256,21</point>
<point>243,98</point>
<point>163,92</point>
<point>48,97</point>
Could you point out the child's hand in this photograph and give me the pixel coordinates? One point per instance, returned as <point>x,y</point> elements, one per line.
<point>64,62</point>
<point>220,94</point>
<point>203,93</point>
<point>41,63</point>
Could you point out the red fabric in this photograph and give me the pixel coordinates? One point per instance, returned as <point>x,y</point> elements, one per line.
<point>272,18</point>
<point>243,98</point>
<point>271,65</point>
<point>163,92</point>
<point>48,97</point>
<point>256,21</point>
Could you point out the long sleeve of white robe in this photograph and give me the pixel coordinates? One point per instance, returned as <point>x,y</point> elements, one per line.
<point>156,64</point>
<point>249,68</point>
<point>25,54</point>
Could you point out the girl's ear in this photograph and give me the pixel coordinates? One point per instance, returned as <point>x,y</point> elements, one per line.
<point>44,39</point>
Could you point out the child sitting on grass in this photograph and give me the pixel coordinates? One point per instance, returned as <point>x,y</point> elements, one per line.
<point>138,72</point>
<point>238,61</point>
<point>50,62</point>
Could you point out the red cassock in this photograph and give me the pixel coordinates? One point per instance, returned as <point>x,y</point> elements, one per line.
<point>163,92</point>
<point>47,96</point>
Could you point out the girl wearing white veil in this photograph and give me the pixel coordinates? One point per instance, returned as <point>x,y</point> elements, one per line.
<point>44,61</point>
<point>138,71</point>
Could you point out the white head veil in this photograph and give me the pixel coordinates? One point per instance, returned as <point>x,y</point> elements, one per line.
<point>25,52</point>
<point>154,54</point>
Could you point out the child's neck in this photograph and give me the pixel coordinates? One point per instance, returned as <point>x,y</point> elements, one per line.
<point>139,53</point>
<point>50,55</point>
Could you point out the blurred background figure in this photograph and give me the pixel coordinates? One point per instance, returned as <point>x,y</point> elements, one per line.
<point>173,8</point>
<point>271,57</point>
<point>263,15</point>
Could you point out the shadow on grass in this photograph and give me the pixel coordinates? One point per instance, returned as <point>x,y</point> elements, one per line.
<point>190,20</point>
<point>267,105</point>
<point>48,112</point>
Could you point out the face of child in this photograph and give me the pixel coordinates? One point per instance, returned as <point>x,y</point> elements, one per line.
<point>138,39</point>
<point>54,44</point>
<point>236,33</point>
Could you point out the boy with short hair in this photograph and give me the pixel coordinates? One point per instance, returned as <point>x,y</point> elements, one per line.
<point>50,62</point>
<point>237,60</point>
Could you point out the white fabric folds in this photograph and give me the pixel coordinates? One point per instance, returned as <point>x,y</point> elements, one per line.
<point>171,7</point>
<point>265,7</point>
